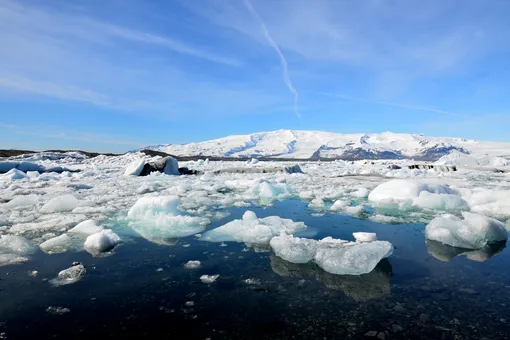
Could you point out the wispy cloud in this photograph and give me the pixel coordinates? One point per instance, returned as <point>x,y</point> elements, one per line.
<point>274,45</point>
<point>73,135</point>
<point>381,102</point>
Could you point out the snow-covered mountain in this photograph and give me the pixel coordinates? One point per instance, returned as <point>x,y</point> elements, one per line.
<point>319,144</point>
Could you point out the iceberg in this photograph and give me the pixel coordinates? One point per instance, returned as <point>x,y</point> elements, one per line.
<point>62,203</point>
<point>87,227</point>
<point>352,258</point>
<point>253,230</point>
<point>294,249</point>
<point>100,242</point>
<point>158,219</point>
<point>473,232</point>
<point>55,245</point>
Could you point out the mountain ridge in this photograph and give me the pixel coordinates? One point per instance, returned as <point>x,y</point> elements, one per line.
<point>312,144</point>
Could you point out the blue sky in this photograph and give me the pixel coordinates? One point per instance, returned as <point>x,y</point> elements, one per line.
<point>119,74</point>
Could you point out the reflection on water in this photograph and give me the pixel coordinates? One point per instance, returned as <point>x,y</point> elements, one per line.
<point>445,253</point>
<point>373,285</point>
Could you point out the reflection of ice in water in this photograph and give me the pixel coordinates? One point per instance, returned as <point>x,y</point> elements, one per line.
<point>373,285</point>
<point>445,252</point>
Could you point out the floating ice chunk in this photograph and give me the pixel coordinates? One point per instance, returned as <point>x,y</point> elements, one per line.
<point>406,189</point>
<point>493,203</point>
<point>22,201</point>
<point>56,245</point>
<point>294,249</point>
<point>209,278</point>
<point>158,219</point>
<point>317,203</point>
<point>361,193</point>
<point>352,258</point>
<point>473,232</point>
<point>15,244</point>
<point>70,275</point>
<point>445,202</point>
<point>249,216</point>
<point>87,227</point>
<point>339,205</point>
<point>60,204</point>
<point>135,168</point>
<point>268,192</point>
<point>171,166</point>
<point>102,241</point>
<point>355,210</point>
<point>8,259</point>
<point>364,237</point>
<point>192,264</point>
<point>13,174</point>
<point>253,231</point>
<point>57,310</point>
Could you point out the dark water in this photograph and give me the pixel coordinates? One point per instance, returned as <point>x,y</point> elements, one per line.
<point>413,295</point>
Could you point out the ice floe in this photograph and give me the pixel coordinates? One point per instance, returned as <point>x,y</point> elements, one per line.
<point>474,231</point>
<point>253,230</point>
<point>102,241</point>
<point>70,275</point>
<point>158,219</point>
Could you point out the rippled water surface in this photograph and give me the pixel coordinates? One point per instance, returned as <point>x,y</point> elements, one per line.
<point>423,291</point>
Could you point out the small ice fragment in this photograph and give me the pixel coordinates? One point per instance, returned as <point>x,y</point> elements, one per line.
<point>190,303</point>
<point>159,269</point>
<point>15,244</point>
<point>364,237</point>
<point>57,310</point>
<point>60,204</point>
<point>192,265</point>
<point>209,278</point>
<point>102,241</point>
<point>87,227</point>
<point>254,282</point>
<point>249,216</point>
<point>8,259</point>
<point>70,275</point>
<point>56,245</point>
<point>339,205</point>
<point>33,273</point>
<point>294,249</point>
<point>135,168</point>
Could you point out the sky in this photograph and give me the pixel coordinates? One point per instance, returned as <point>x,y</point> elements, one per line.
<point>117,75</point>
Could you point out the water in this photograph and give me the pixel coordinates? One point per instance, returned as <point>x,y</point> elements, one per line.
<point>143,290</point>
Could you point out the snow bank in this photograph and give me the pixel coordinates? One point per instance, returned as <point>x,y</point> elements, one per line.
<point>102,241</point>
<point>87,227</point>
<point>60,204</point>
<point>158,219</point>
<point>55,245</point>
<point>473,232</point>
<point>253,230</point>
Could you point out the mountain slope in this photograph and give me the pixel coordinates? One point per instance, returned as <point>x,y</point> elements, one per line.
<point>319,144</point>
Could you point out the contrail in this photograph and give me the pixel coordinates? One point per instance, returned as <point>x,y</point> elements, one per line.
<point>272,43</point>
<point>380,102</point>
